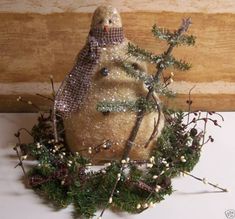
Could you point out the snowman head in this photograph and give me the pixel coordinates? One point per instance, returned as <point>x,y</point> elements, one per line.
<point>106,17</point>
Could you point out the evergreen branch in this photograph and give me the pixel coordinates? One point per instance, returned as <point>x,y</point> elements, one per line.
<point>115,106</point>
<point>188,40</point>
<point>136,73</point>
<point>170,61</point>
<point>161,33</point>
<point>182,65</point>
<point>144,55</point>
<point>64,179</point>
<point>163,60</point>
<point>163,90</point>
<point>148,80</point>
<point>124,106</point>
<point>173,38</point>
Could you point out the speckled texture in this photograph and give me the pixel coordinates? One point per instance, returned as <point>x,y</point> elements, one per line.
<point>88,127</point>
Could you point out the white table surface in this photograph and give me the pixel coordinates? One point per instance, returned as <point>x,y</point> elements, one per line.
<point>192,199</point>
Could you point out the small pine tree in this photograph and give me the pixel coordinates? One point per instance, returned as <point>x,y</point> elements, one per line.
<point>154,83</point>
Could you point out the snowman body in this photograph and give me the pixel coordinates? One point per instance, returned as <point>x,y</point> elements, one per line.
<point>89,128</point>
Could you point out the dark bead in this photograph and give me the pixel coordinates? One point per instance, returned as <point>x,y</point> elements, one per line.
<point>104,71</point>
<point>193,132</point>
<point>135,66</point>
<point>106,113</point>
<point>189,102</point>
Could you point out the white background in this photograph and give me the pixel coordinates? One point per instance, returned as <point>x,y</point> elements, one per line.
<point>192,199</point>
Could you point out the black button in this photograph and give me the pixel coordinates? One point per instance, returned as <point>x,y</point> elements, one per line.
<point>104,72</point>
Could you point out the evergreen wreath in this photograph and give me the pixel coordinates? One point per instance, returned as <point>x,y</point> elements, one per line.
<point>65,178</point>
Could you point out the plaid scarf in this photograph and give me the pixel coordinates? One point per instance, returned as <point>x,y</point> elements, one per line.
<point>73,90</point>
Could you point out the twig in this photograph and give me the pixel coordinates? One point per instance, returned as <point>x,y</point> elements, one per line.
<point>54,125</point>
<point>105,145</point>
<point>152,192</point>
<point>203,119</point>
<point>52,86</point>
<point>204,129</point>
<point>205,142</point>
<point>189,101</point>
<point>20,160</point>
<point>156,124</point>
<point>205,181</point>
<point>139,162</point>
<point>111,195</point>
<point>54,114</point>
<point>45,97</point>
<point>219,115</point>
<point>20,99</point>
<point>26,130</point>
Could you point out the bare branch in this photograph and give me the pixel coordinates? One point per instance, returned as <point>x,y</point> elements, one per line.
<point>156,124</point>
<point>205,181</point>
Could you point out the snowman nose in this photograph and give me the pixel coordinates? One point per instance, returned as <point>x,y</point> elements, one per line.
<point>106,28</point>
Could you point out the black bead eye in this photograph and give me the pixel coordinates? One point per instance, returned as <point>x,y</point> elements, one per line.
<point>101,21</point>
<point>110,21</point>
<point>104,71</point>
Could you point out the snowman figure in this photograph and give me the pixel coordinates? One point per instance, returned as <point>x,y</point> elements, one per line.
<point>98,76</point>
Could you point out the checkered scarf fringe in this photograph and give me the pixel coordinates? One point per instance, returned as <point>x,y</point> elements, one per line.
<point>72,92</point>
